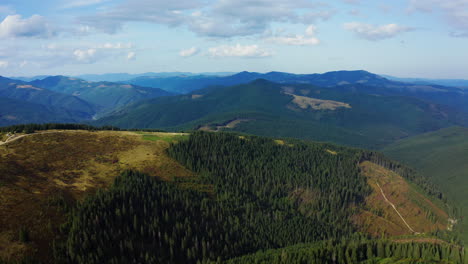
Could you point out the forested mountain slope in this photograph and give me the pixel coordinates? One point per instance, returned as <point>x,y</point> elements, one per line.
<point>14,111</point>
<point>22,91</point>
<point>106,95</point>
<point>301,111</point>
<point>362,81</point>
<point>208,197</point>
<point>441,155</point>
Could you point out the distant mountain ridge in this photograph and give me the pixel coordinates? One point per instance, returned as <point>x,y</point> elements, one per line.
<point>186,84</point>
<point>106,95</point>
<point>120,77</point>
<point>65,99</point>
<point>349,80</point>
<point>18,90</point>
<point>262,107</point>
<point>460,83</point>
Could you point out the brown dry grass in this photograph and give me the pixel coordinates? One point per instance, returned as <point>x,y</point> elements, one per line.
<point>68,165</point>
<point>229,125</point>
<point>304,102</point>
<point>378,217</point>
<point>196,96</point>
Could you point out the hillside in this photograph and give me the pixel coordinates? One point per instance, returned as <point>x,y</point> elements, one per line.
<point>22,91</point>
<point>442,156</point>
<point>106,95</point>
<point>211,196</point>
<point>42,173</point>
<point>22,112</point>
<point>362,81</point>
<point>301,111</point>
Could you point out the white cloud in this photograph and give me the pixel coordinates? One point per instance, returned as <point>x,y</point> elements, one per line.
<point>375,32</point>
<point>217,18</point>
<point>152,11</point>
<point>311,30</point>
<point>14,26</point>
<point>117,46</point>
<point>189,52</point>
<point>455,12</point>
<point>3,64</point>
<point>131,55</point>
<point>249,51</point>
<point>296,40</point>
<point>85,55</point>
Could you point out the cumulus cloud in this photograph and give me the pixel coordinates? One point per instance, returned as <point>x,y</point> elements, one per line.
<point>248,17</point>
<point>131,55</point>
<point>85,55</point>
<point>297,40</point>
<point>14,26</point>
<point>375,32</point>
<point>3,64</point>
<point>189,52</point>
<point>165,12</point>
<point>219,18</point>
<point>455,12</point>
<point>249,51</point>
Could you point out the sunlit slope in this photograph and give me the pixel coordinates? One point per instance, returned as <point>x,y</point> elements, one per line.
<point>397,207</point>
<point>441,155</point>
<point>40,173</point>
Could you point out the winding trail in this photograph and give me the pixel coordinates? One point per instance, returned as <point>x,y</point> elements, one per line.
<point>14,137</point>
<point>394,208</point>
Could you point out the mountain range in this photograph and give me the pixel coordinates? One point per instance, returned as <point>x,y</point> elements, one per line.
<point>65,99</point>
<point>350,114</point>
<point>76,193</point>
<point>105,95</point>
<point>347,80</point>
<point>355,108</point>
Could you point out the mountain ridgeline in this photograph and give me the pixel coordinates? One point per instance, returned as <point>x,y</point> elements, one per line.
<point>106,95</point>
<point>295,199</point>
<point>336,114</point>
<point>25,92</point>
<point>355,108</point>
<point>361,81</point>
<point>64,99</point>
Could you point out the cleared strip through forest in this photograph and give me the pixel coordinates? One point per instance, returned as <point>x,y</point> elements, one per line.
<point>394,207</point>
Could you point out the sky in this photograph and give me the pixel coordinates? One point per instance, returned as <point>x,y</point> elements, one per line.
<point>404,38</point>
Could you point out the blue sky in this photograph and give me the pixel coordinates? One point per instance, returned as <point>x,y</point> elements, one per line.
<point>406,38</point>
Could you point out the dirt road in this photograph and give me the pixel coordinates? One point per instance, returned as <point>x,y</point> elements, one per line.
<point>394,207</point>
